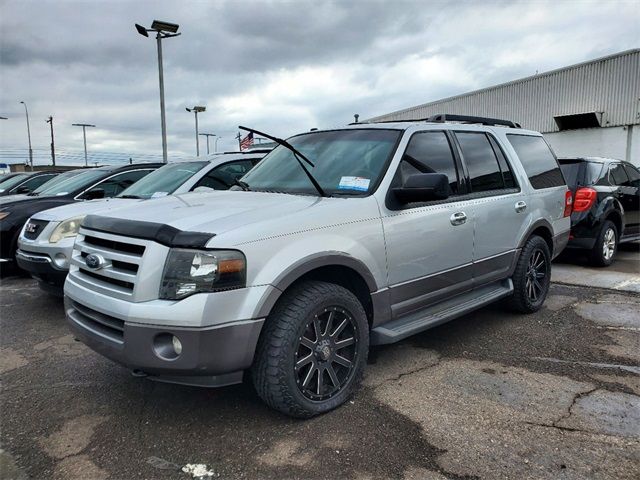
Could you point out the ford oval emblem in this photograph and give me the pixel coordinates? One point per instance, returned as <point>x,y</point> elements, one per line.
<point>94,261</point>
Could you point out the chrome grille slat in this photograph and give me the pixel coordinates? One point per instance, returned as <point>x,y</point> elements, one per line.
<point>107,271</point>
<point>113,255</point>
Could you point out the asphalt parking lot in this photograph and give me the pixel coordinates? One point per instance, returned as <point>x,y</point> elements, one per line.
<point>490,395</point>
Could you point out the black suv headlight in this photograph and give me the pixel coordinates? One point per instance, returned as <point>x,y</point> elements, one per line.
<point>193,271</point>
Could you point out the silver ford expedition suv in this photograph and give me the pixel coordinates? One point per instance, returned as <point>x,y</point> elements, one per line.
<point>337,240</point>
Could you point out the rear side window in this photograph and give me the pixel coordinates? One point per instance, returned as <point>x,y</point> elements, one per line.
<point>430,152</point>
<point>538,161</point>
<point>617,175</point>
<point>481,161</point>
<point>633,174</point>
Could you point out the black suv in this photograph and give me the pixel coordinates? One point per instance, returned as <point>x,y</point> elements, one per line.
<point>68,187</point>
<point>606,205</point>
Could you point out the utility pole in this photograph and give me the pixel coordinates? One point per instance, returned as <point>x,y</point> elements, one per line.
<point>53,148</point>
<point>215,145</point>
<point>207,135</point>
<point>28,136</point>
<point>84,136</point>
<point>163,30</point>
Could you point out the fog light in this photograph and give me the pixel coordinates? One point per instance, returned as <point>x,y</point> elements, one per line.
<point>60,260</point>
<point>167,346</point>
<point>177,345</point>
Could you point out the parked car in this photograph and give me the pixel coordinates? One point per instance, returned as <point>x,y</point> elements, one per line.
<point>6,176</point>
<point>86,185</point>
<point>338,240</point>
<point>25,183</point>
<point>606,206</point>
<point>46,241</point>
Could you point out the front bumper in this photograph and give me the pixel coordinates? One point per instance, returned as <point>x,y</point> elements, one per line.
<point>220,352</point>
<point>42,268</point>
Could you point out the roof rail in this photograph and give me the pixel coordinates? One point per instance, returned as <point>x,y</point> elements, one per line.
<point>445,117</point>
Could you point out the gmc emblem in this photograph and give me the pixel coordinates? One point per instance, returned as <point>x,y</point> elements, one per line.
<point>31,228</point>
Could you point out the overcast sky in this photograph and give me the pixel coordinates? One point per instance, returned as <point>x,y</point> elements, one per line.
<point>282,67</point>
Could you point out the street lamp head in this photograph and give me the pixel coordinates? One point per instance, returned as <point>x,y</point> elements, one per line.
<point>160,26</point>
<point>141,30</point>
<point>188,109</point>
<point>199,109</point>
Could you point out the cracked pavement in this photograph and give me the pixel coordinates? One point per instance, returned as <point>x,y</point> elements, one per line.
<point>491,395</point>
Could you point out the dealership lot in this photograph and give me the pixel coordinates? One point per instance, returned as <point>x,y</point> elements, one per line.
<point>555,394</point>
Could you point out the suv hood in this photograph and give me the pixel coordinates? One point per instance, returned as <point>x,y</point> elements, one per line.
<point>267,213</point>
<point>65,212</point>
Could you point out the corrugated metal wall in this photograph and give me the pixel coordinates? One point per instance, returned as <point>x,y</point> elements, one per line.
<point>610,85</point>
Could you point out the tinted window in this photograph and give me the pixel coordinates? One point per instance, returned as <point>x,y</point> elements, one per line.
<point>538,161</point>
<point>118,183</point>
<point>430,152</point>
<point>222,177</point>
<point>633,174</point>
<point>164,180</point>
<point>578,173</point>
<point>12,182</point>
<point>617,175</point>
<point>507,173</point>
<point>57,180</point>
<point>33,183</point>
<point>481,161</point>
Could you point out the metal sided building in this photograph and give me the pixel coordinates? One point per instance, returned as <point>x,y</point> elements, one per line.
<point>588,109</point>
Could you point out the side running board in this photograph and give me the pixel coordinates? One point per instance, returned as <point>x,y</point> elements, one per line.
<point>439,313</point>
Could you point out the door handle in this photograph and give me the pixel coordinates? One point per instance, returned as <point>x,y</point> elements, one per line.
<point>521,206</point>
<point>458,218</point>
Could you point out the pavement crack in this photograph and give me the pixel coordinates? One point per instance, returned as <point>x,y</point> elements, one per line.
<point>576,397</point>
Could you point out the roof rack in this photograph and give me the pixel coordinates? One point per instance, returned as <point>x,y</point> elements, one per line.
<point>445,117</point>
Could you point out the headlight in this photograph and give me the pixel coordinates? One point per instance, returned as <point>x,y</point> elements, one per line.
<point>4,215</point>
<point>68,228</point>
<point>193,271</point>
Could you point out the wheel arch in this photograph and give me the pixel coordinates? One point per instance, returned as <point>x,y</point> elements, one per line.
<point>541,228</point>
<point>337,268</point>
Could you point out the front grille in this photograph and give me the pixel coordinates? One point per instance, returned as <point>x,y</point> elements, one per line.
<point>121,258</point>
<point>33,228</point>
<point>105,326</point>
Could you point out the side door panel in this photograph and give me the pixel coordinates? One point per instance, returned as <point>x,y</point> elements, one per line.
<point>428,256</point>
<point>499,209</point>
<point>631,200</point>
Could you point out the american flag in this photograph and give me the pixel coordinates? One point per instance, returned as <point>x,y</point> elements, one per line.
<point>246,142</point>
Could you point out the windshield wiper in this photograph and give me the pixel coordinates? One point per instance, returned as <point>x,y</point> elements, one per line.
<point>296,154</point>
<point>243,185</point>
<point>135,197</point>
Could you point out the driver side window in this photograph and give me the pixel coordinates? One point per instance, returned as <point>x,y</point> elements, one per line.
<point>223,176</point>
<point>430,152</point>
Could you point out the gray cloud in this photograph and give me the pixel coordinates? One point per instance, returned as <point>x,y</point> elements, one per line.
<point>280,66</point>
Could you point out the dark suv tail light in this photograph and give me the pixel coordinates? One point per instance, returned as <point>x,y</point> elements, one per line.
<point>585,198</point>
<point>568,203</point>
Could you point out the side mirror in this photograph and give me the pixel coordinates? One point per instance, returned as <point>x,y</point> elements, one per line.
<point>94,194</point>
<point>423,187</point>
<point>23,189</point>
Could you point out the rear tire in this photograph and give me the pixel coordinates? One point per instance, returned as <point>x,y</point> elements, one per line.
<point>532,276</point>
<point>312,352</point>
<point>604,251</point>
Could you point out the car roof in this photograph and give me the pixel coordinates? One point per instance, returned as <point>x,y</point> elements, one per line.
<point>419,125</point>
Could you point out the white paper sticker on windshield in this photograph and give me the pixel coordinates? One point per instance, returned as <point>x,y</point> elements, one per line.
<point>354,183</point>
<point>159,194</point>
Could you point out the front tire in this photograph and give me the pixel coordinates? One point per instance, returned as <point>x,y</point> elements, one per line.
<point>606,246</point>
<point>313,349</point>
<point>532,276</point>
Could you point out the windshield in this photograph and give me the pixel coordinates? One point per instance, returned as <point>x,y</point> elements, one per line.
<point>163,181</point>
<point>11,182</point>
<point>347,162</point>
<point>58,179</point>
<point>79,179</point>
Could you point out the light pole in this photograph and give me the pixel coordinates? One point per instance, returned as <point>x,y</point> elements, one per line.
<point>163,30</point>
<point>84,136</point>
<point>28,135</point>
<point>215,145</point>
<point>207,135</point>
<point>197,109</point>
<point>53,148</point>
